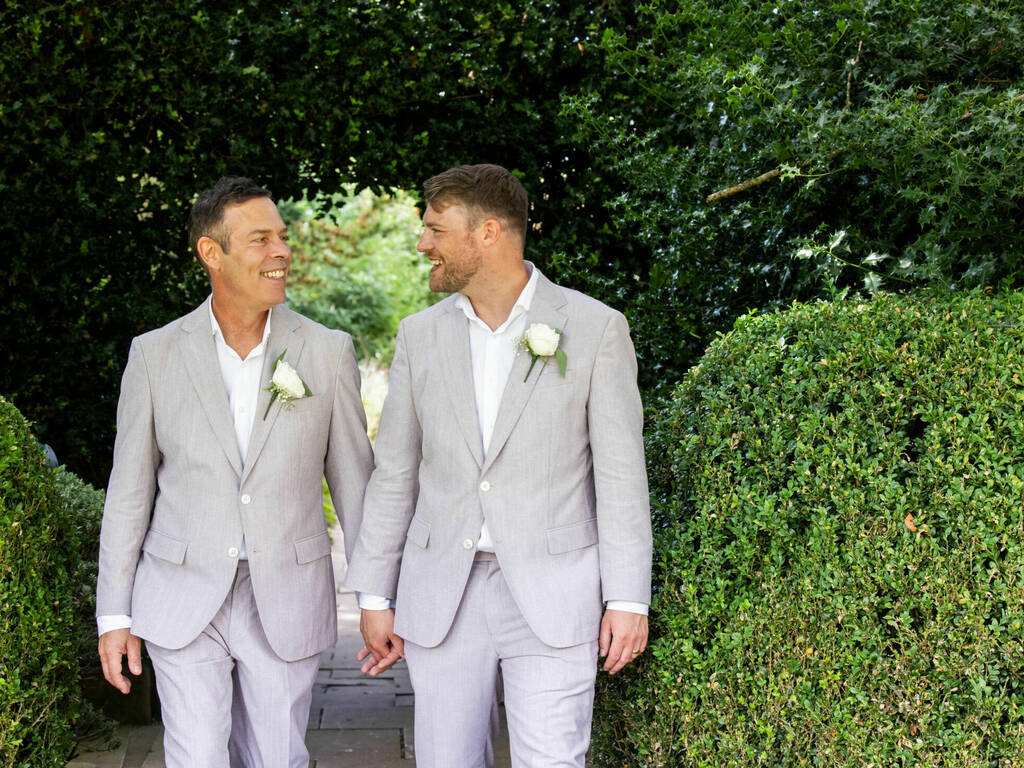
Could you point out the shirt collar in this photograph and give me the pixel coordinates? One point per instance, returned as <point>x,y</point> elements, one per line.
<point>219,334</point>
<point>521,307</point>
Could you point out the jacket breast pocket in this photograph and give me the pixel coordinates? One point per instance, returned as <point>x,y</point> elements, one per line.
<point>312,548</point>
<point>165,547</point>
<point>418,533</point>
<point>567,538</point>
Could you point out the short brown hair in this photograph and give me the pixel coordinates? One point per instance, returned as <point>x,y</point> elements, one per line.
<point>484,189</point>
<point>207,215</point>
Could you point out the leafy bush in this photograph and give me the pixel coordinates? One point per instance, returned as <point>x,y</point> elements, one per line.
<point>839,510</point>
<point>356,267</point>
<point>84,508</point>
<point>39,562</point>
<point>787,150</point>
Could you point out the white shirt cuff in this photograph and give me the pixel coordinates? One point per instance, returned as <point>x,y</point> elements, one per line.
<point>626,605</point>
<point>105,624</point>
<point>369,602</point>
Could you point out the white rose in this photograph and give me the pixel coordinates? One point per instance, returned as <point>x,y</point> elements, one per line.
<point>287,380</point>
<point>542,339</point>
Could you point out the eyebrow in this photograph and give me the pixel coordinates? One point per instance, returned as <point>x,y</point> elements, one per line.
<point>263,232</point>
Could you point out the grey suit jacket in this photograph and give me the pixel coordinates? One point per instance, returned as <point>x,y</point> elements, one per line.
<point>180,500</point>
<point>563,487</point>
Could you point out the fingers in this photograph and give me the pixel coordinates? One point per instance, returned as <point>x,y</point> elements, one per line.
<point>382,646</point>
<point>373,667</point>
<point>134,655</point>
<point>112,646</point>
<point>627,639</point>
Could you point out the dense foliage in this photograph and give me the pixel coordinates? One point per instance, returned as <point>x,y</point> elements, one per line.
<point>851,144</point>
<point>112,116</point>
<point>39,562</point>
<point>83,508</point>
<point>356,267</point>
<point>838,509</point>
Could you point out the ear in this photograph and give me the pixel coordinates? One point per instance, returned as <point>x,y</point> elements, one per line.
<point>210,253</point>
<point>491,230</point>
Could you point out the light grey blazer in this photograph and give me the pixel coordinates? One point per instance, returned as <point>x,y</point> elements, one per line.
<point>563,488</point>
<point>180,499</point>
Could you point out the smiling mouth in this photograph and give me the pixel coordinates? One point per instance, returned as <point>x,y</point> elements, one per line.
<point>274,274</point>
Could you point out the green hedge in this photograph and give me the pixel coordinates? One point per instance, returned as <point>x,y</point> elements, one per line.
<point>840,570</point>
<point>39,560</point>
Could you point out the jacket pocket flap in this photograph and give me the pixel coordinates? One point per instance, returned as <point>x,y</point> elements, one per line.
<point>418,533</point>
<point>566,538</point>
<point>312,548</point>
<point>165,547</point>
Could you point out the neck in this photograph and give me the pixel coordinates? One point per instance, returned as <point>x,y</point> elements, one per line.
<point>242,329</point>
<point>496,294</point>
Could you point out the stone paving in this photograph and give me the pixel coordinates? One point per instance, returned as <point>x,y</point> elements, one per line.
<point>354,721</point>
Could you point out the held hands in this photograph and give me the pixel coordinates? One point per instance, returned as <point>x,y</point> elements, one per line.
<point>383,647</point>
<point>623,637</point>
<point>113,645</point>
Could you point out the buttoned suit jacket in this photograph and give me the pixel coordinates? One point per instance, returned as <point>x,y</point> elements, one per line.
<point>180,498</point>
<point>563,487</point>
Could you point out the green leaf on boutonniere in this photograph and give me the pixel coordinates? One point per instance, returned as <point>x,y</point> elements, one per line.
<point>562,360</point>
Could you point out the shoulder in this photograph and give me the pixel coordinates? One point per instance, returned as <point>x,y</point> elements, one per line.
<point>167,334</point>
<point>426,318</point>
<point>310,329</point>
<point>580,305</point>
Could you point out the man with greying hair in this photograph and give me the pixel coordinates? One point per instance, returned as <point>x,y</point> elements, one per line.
<point>214,548</point>
<point>507,516</point>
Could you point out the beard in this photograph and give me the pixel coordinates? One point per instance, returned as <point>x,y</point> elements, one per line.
<point>452,276</point>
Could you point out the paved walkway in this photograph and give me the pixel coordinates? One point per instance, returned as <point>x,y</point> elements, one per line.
<point>354,722</point>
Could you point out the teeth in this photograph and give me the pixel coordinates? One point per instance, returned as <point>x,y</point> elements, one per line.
<point>275,273</point>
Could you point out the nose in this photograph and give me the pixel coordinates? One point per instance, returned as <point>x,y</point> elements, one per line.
<point>424,243</point>
<point>283,251</point>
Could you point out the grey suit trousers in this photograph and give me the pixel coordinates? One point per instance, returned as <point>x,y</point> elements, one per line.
<point>549,692</point>
<point>227,699</point>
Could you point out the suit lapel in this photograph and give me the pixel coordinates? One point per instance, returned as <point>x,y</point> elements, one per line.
<point>204,372</point>
<point>283,336</point>
<point>458,376</point>
<point>547,308</point>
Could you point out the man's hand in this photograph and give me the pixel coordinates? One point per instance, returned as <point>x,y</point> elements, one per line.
<point>383,647</point>
<point>623,637</point>
<point>112,646</point>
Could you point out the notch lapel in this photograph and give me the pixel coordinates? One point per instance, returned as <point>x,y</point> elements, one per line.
<point>283,326</point>
<point>547,308</point>
<point>203,367</point>
<point>457,369</point>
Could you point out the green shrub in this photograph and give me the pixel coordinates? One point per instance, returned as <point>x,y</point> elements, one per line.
<point>84,506</point>
<point>39,560</point>
<point>840,545</point>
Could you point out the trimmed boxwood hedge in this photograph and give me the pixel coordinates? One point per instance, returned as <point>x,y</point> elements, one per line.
<point>39,560</point>
<point>839,509</point>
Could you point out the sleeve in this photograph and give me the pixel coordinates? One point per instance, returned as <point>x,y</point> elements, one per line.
<point>615,420</point>
<point>349,458</point>
<point>391,494</point>
<point>132,487</point>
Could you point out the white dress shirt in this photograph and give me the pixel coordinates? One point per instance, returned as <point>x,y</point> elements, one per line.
<point>492,354</point>
<point>242,383</point>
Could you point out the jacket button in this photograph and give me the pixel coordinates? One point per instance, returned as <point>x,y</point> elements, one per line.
<point>233,552</point>
<point>485,485</point>
<point>246,498</point>
<point>468,544</point>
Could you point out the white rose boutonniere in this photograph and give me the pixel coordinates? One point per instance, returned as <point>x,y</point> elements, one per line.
<point>541,341</point>
<point>286,384</point>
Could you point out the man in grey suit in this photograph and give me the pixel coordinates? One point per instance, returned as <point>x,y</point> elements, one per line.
<point>507,516</point>
<point>214,547</point>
